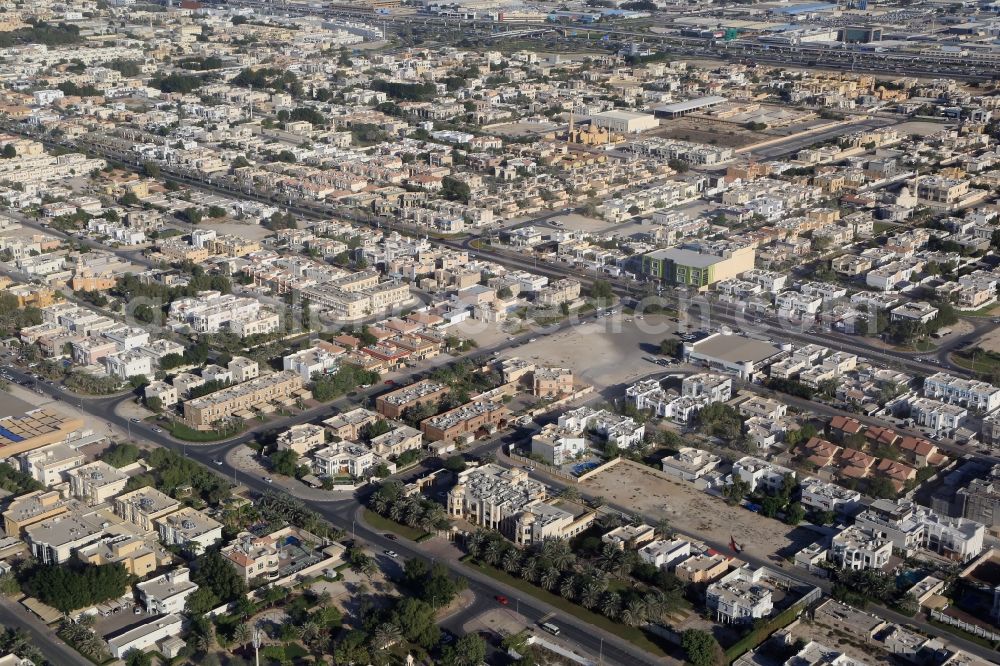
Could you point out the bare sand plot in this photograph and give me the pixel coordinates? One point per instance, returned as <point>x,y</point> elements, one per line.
<point>602,353</point>
<point>692,512</point>
<point>990,341</point>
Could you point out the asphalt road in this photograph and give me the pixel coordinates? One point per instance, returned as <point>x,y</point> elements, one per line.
<point>15,616</point>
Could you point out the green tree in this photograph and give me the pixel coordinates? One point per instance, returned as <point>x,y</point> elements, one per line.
<point>416,621</point>
<point>670,347</point>
<point>700,648</point>
<point>601,291</point>
<point>285,462</point>
<point>214,572</point>
<point>121,454</point>
<point>469,650</point>
<point>795,513</point>
<point>455,464</point>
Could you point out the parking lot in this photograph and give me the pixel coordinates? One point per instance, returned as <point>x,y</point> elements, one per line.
<point>690,511</point>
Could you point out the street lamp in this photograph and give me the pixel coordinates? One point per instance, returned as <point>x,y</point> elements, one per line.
<point>256,644</point>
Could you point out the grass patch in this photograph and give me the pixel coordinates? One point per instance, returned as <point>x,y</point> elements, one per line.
<point>183,431</point>
<point>383,523</point>
<point>881,227</point>
<point>981,363</point>
<point>633,635</point>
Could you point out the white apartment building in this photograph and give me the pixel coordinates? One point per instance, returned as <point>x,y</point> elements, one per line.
<point>793,305</point>
<point>918,311</point>
<point>855,548</point>
<point>322,359</point>
<point>911,527</point>
<point>690,464</point>
<point>665,553</point>
<point>770,281</point>
<point>622,431</point>
<point>740,596</point>
<point>344,459</point>
<point>145,635</point>
<point>823,496</point>
<point>127,338</point>
<point>711,386</point>
<point>556,445</point>
<point>54,541</point>
<point>126,364</point>
<point>938,416</point>
<point>49,464</point>
<point>971,393</point>
<point>167,593</point>
<point>212,312</point>
<point>760,473</point>
<point>190,529</point>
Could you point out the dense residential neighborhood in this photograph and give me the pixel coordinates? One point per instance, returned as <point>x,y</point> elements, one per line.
<point>499,333</point>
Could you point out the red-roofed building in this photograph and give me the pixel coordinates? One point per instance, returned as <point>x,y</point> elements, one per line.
<point>920,451</point>
<point>897,472</point>
<point>820,452</point>
<point>842,427</point>
<point>347,341</point>
<point>390,355</point>
<point>880,436</point>
<point>855,464</point>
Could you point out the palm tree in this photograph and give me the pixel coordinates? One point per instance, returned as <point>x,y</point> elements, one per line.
<point>634,612</point>
<point>568,587</point>
<point>570,494</point>
<point>611,605</point>
<point>558,553</point>
<point>244,607</point>
<point>512,560</point>
<point>414,513</point>
<point>550,578</point>
<point>385,634</point>
<point>475,543</point>
<point>610,557</point>
<point>494,552</point>
<point>380,502</point>
<point>309,631</point>
<point>663,528</point>
<point>242,634</point>
<point>396,510</point>
<point>530,569</point>
<point>591,592</point>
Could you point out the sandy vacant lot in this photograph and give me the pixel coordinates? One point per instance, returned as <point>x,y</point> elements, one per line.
<point>990,341</point>
<point>703,130</point>
<point>604,353</point>
<point>693,512</point>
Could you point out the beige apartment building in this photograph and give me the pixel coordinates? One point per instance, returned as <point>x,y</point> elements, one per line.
<point>464,421</point>
<point>32,508</point>
<point>552,382</point>
<point>508,501</point>
<point>394,404</point>
<point>242,399</point>
<point>144,506</point>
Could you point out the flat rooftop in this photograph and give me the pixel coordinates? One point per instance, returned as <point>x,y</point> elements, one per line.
<point>692,104</point>
<point>735,348</point>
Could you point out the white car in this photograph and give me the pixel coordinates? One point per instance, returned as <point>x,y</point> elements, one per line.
<point>391,553</point>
